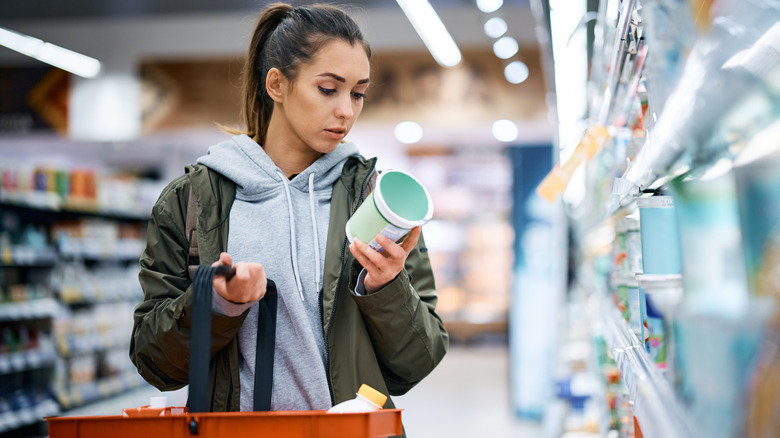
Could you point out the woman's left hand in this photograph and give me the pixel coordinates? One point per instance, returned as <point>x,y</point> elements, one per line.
<point>382,267</point>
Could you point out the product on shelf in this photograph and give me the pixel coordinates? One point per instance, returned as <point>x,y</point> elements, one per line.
<point>655,339</point>
<point>77,188</point>
<point>660,235</point>
<point>711,244</point>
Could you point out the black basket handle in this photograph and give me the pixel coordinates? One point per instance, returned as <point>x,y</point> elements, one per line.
<point>200,340</point>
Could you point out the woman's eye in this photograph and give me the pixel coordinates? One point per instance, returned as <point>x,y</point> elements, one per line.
<point>326,91</point>
<point>357,95</point>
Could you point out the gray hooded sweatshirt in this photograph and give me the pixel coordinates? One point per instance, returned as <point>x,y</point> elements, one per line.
<point>281,224</point>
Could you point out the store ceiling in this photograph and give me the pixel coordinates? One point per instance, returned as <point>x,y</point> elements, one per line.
<point>78,9</point>
<point>125,31</point>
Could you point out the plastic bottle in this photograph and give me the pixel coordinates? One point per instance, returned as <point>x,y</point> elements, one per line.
<point>368,399</point>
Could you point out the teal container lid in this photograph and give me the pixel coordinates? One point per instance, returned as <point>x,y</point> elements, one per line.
<point>402,199</point>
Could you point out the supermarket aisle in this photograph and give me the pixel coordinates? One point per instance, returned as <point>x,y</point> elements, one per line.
<point>465,396</point>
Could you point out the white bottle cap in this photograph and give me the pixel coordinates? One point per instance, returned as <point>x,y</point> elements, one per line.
<point>158,402</point>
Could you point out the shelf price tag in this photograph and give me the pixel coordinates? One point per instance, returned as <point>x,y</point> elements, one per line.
<point>62,397</point>
<point>553,185</point>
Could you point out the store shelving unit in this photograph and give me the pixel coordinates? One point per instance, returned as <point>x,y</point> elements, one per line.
<point>26,406</point>
<point>72,279</point>
<point>655,405</point>
<point>678,88</point>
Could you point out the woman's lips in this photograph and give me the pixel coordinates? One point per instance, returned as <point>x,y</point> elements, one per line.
<point>337,134</point>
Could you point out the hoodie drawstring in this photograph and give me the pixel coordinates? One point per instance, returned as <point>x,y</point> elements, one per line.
<point>292,236</point>
<point>316,236</point>
<point>293,245</point>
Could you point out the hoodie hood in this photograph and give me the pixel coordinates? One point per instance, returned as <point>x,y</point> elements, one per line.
<point>244,162</point>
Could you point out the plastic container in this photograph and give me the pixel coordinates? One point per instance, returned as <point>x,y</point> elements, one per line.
<point>758,191</point>
<point>664,295</point>
<point>158,407</point>
<point>655,340</point>
<point>367,399</point>
<point>714,276</point>
<point>660,238</point>
<point>633,242</point>
<point>398,203</point>
<point>625,286</point>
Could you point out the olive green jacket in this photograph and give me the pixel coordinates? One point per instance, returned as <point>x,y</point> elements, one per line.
<point>389,340</point>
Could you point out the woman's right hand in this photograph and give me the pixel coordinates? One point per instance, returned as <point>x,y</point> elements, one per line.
<point>248,285</point>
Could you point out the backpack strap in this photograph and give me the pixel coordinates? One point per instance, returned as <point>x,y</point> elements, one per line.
<point>191,231</point>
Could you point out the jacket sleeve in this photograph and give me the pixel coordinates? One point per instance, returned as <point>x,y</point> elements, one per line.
<point>159,346</point>
<point>408,336</point>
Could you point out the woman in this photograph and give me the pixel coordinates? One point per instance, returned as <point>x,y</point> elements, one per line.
<point>272,203</point>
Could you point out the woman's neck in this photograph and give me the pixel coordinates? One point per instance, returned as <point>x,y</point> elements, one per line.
<point>290,159</point>
<point>285,149</point>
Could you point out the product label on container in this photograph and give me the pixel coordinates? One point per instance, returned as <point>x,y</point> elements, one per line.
<point>655,345</point>
<point>635,312</point>
<point>391,232</point>
<point>622,302</point>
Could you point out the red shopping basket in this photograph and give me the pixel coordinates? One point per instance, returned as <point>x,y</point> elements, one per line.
<point>197,422</point>
<point>278,424</point>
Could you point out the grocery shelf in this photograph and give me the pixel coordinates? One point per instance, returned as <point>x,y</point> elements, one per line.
<point>78,345</point>
<point>15,419</point>
<point>83,394</point>
<point>19,256</point>
<point>655,406</point>
<point>53,203</point>
<point>27,360</point>
<point>28,310</point>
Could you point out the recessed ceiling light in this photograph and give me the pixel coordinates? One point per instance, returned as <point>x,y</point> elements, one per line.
<point>505,47</point>
<point>495,27</point>
<point>488,6</point>
<point>505,130</point>
<point>516,72</point>
<point>408,132</point>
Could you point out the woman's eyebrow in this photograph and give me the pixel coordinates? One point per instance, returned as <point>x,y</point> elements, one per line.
<point>341,79</point>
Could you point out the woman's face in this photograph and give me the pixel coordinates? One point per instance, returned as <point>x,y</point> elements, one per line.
<point>322,104</point>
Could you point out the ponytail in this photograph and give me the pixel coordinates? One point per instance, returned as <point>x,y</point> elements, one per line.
<point>284,38</point>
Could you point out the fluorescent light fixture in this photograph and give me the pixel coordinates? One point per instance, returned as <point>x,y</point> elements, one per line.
<point>488,6</point>
<point>408,132</point>
<point>432,31</point>
<point>516,72</point>
<point>505,130</point>
<point>57,56</point>
<point>495,27</point>
<point>506,47</point>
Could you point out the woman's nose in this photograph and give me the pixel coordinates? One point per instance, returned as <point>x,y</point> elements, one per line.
<point>344,108</point>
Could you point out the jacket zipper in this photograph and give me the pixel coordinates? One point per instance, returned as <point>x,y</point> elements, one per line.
<point>338,288</point>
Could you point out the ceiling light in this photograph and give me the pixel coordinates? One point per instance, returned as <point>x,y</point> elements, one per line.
<point>488,6</point>
<point>516,72</point>
<point>57,56</point>
<point>505,130</point>
<point>505,47</point>
<point>495,27</point>
<point>408,132</point>
<point>432,31</point>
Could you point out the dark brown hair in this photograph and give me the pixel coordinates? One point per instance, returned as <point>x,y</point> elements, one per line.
<point>286,37</point>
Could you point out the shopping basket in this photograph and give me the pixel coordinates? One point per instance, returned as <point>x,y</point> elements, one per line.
<point>196,422</point>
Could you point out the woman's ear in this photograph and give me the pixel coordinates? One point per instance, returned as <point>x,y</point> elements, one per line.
<point>274,83</point>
